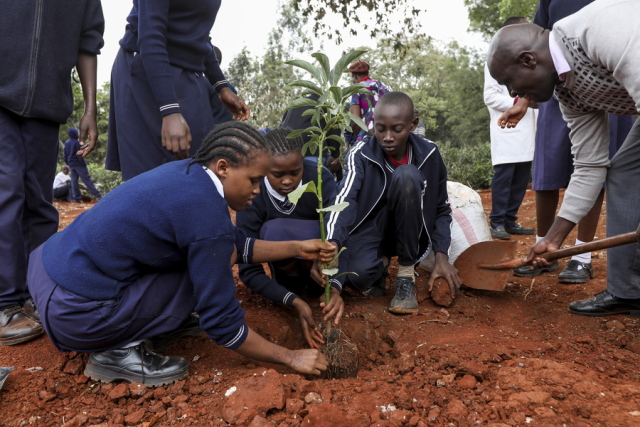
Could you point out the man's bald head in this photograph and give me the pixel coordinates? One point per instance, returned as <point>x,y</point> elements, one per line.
<point>519,58</point>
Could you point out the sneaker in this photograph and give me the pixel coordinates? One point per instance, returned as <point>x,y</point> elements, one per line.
<point>163,342</point>
<point>576,272</point>
<point>500,233</point>
<point>136,364</point>
<point>405,300</point>
<point>520,230</point>
<point>17,327</point>
<point>527,271</point>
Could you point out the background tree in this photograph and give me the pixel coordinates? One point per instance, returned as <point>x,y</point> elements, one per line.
<point>487,16</point>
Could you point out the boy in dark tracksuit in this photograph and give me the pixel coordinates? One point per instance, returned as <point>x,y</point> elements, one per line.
<point>78,167</point>
<point>42,41</point>
<point>395,184</point>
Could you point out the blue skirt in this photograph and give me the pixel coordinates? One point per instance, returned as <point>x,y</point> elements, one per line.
<point>134,145</point>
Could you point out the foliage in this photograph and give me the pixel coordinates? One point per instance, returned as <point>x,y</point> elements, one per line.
<point>445,83</point>
<point>371,16</point>
<point>469,165</point>
<point>328,113</point>
<point>105,180</point>
<point>487,16</point>
<point>99,154</point>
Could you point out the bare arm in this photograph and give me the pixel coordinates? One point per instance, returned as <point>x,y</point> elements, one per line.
<point>87,66</point>
<point>267,251</point>
<point>309,361</point>
<point>355,109</point>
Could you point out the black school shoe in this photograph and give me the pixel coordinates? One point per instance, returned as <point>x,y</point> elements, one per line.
<point>520,230</point>
<point>605,304</point>
<point>527,271</point>
<point>576,272</point>
<point>136,364</point>
<point>163,342</point>
<point>500,233</point>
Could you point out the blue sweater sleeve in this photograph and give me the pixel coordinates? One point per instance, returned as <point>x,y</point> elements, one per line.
<point>220,314</point>
<point>253,275</point>
<point>153,16</point>
<point>91,40</point>
<point>214,72</point>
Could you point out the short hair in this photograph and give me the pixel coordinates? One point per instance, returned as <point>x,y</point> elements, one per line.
<point>280,144</point>
<point>236,142</point>
<point>218,53</point>
<point>512,20</point>
<point>399,99</point>
<point>65,167</point>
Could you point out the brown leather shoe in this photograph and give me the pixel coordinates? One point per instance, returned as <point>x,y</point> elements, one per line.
<point>16,327</point>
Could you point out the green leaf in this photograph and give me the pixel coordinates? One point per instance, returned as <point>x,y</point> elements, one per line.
<point>309,147</point>
<point>309,187</point>
<point>313,70</point>
<point>336,92</point>
<point>330,271</point>
<point>336,138</point>
<point>301,102</point>
<point>357,88</point>
<point>296,133</point>
<point>309,112</point>
<point>357,120</point>
<point>345,273</point>
<point>324,63</point>
<point>306,84</point>
<point>342,63</point>
<point>334,208</point>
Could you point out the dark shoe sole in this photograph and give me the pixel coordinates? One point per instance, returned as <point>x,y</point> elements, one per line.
<point>23,338</point>
<point>107,374</point>
<point>403,310</point>
<point>573,281</point>
<point>632,313</point>
<point>537,271</point>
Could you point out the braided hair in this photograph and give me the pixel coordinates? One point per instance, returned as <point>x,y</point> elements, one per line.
<point>280,145</point>
<point>236,142</point>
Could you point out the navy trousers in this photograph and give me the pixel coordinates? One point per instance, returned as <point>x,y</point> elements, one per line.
<point>81,171</point>
<point>28,156</point>
<point>63,192</point>
<point>508,187</point>
<point>394,228</point>
<point>155,304</point>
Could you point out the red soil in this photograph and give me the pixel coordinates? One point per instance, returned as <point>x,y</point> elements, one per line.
<point>493,358</point>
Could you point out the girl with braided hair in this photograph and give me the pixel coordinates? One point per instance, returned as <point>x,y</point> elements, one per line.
<point>273,217</point>
<point>125,276</point>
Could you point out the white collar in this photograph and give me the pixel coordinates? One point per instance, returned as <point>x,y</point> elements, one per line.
<point>274,193</point>
<point>215,180</point>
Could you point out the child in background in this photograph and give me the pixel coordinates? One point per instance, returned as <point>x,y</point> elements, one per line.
<point>396,186</point>
<point>273,217</point>
<point>62,184</point>
<point>137,265</point>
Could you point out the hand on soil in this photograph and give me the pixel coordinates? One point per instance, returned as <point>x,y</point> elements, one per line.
<point>311,333</point>
<point>335,308</point>
<point>309,361</point>
<point>444,269</point>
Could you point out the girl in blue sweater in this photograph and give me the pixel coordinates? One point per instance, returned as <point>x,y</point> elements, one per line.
<point>273,217</point>
<point>139,263</point>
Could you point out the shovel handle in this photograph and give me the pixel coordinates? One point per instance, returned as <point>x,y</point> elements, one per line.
<point>596,245</point>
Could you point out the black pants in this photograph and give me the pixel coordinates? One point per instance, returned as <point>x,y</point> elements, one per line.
<point>508,187</point>
<point>62,192</point>
<point>394,228</point>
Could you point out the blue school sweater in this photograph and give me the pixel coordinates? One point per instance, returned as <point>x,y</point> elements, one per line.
<point>171,218</point>
<point>264,209</point>
<point>173,32</point>
<point>41,41</point>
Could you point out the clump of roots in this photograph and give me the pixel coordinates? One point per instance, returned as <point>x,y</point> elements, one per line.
<point>342,354</point>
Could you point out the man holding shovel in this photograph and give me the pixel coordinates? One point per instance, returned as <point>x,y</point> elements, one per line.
<point>593,71</point>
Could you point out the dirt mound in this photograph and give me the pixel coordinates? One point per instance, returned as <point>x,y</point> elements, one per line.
<point>498,359</point>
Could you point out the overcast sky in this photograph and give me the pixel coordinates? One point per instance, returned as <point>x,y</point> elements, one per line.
<point>247,23</point>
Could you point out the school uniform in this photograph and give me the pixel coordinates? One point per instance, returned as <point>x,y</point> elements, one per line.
<point>393,210</point>
<point>274,217</point>
<point>163,65</point>
<point>137,264</point>
<point>41,42</point>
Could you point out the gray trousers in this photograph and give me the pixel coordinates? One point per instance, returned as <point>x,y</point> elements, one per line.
<point>623,215</point>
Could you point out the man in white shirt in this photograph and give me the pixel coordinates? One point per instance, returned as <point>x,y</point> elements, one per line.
<point>62,184</point>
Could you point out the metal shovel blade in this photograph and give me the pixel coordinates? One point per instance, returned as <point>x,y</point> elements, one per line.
<point>485,253</point>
